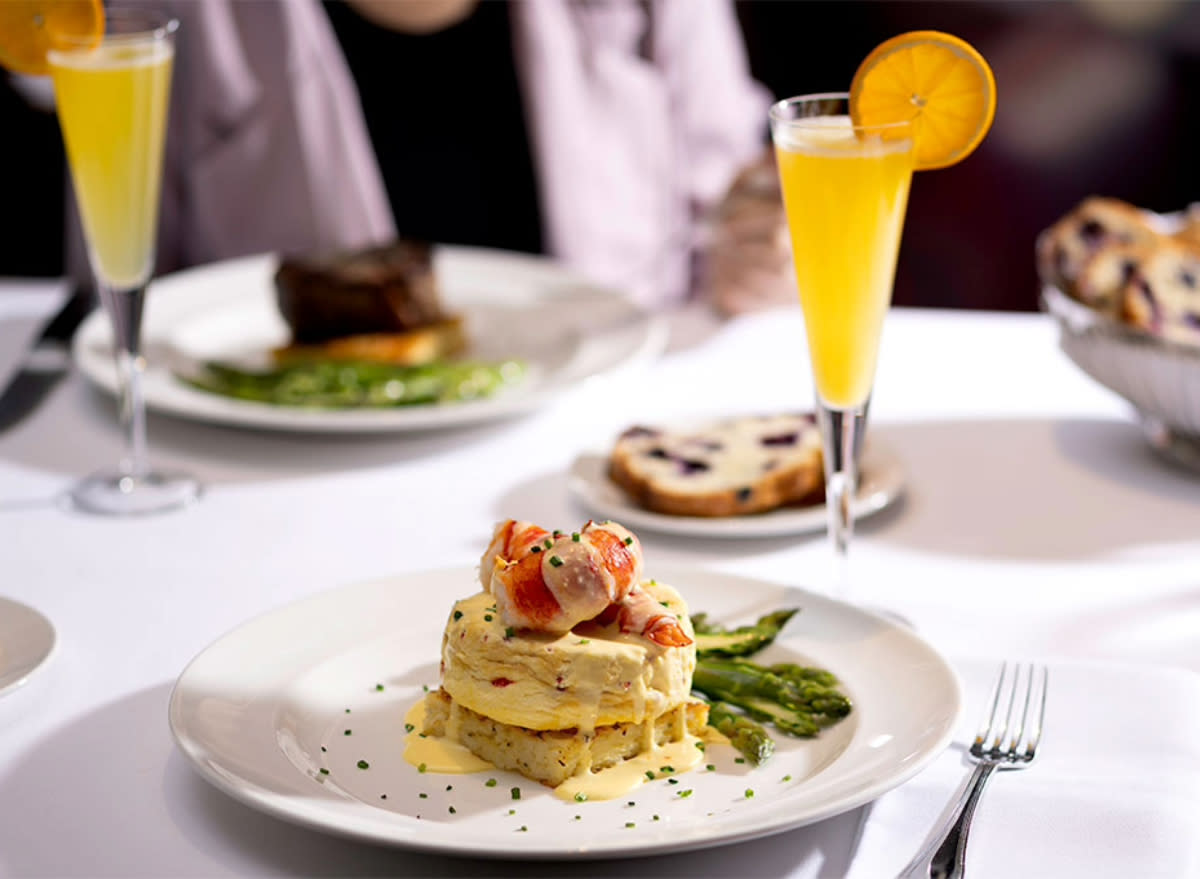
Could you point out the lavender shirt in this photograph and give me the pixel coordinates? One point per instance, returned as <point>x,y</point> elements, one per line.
<point>641,113</point>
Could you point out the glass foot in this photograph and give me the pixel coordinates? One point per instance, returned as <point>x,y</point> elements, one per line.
<point>119,494</point>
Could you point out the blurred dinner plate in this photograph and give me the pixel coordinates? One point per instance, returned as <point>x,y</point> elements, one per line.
<point>881,483</point>
<point>300,713</point>
<point>567,330</point>
<point>26,641</point>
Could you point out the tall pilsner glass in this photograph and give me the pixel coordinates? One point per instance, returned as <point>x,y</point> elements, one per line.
<point>112,103</point>
<point>845,191</point>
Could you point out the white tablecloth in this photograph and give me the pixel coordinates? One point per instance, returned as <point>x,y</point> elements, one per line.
<point>1036,525</point>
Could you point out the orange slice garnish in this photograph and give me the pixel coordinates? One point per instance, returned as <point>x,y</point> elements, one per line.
<point>29,29</point>
<point>938,80</point>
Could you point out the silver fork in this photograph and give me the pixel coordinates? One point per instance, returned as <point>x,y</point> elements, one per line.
<point>998,745</point>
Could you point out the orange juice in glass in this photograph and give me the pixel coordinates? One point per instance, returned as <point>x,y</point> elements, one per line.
<point>845,191</point>
<point>112,103</point>
<point>112,93</point>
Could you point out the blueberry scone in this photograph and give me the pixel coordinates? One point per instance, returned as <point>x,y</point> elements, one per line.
<point>727,467</point>
<point>1064,248</point>
<point>1163,296</point>
<point>1107,272</point>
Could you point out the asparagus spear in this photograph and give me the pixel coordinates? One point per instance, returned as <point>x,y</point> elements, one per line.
<point>329,384</point>
<point>744,733</point>
<point>713,640</point>
<point>798,707</point>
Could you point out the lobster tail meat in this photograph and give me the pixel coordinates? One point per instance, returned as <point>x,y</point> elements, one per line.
<point>551,582</point>
<point>642,615</point>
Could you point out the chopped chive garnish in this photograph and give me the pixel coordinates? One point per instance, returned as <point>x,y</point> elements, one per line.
<point>739,759</point>
<point>458,614</point>
<point>346,732</point>
<point>749,793</point>
<point>787,778</point>
<point>581,797</point>
<point>684,794</point>
<point>379,688</point>
<point>487,617</point>
<point>423,796</point>
<point>453,810</point>
<point>508,632</point>
<point>408,727</point>
<point>323,771</point>
<point>630,824</point>
<point>672,781</point>
<point>629,541</point>
<point>421,768</point>
<point>548,543</point>
<point>556,561</point>
<point>711,768</point>
<point>575,536</point>
<point>363,764</point>
<point>491,782</point>
<point>535,549</point>
<point>650,774</point>
<point>516,793</point>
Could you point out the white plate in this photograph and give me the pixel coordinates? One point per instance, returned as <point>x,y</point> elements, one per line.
<point>881,483</point>
<point>566,329</point>
<point>264,709</point>
<point>26,641</point>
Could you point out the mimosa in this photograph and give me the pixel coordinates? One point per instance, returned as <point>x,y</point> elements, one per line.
<point>112,90</point>
<point>845,197</point>
<point>112,106</point>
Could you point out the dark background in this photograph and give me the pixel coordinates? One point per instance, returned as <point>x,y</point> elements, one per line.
<point>1095,97</point>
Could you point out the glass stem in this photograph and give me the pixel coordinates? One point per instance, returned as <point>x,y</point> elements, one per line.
<point>125,311</point>
<point>841,432</point>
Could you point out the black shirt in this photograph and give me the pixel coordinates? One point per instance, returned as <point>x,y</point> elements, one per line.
<point>444,112</point>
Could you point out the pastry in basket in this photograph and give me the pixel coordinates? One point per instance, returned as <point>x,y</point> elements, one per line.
<point>725,467</point>
<point>1105,274</point>
<point>1189,227</point>
<point>1064,248</point>
<point>568,662</point>
<point>1163,296</point>
<point>380,304</point>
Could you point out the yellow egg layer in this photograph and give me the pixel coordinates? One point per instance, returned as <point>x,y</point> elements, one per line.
<point>590,677</point>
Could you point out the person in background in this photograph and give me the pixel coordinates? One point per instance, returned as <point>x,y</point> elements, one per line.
<point>605,134</point>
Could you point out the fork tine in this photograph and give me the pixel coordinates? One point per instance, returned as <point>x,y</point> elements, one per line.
<point>987,737</point>
<point>1035,734</point>
<point>1015,741</point>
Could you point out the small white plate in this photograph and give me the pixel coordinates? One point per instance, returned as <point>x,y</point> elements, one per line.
<point>881,483</point>
<point>566,329</point>
<point>26,641</point>
<point>325,683</point>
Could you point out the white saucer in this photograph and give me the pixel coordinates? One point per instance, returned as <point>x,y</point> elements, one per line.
<point>26,641</point>
<point>881,483</point>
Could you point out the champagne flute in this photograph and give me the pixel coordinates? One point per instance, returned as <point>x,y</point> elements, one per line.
<point>845,192</point>
<point>112,99</point>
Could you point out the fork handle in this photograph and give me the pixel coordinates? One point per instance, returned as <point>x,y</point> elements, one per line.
<point>945,855</point>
